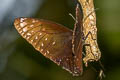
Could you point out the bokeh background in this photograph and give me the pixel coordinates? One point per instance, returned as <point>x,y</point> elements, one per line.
<point>20,61</point>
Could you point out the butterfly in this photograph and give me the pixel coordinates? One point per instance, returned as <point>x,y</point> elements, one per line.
<point>58,43</point>
<point>55,41</point>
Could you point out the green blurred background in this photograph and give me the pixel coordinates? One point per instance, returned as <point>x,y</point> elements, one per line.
<point>20,61</point>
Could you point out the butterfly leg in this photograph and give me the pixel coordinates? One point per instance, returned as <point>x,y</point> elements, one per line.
<point>101,72</point>
<point>87,45</point>
<point>89,33</point>
<point>101,75</point>
<point>84,47</point>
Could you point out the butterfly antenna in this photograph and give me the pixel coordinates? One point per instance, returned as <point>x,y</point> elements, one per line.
<point>101,75</point>
<point>72,16</point>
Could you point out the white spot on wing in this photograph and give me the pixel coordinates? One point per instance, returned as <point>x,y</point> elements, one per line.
<point>44,53</point>
<point>53,43</point>
<point>21,19</point>
<point>43,29</point>
<point>23,24</point>
<point>28,34</point>
<point>46,39</point>
<point>67,59</point>
<point>36,37</point>
<point>20,31</point>
<point>31,25</point>
<point>41,50</point>
<point>60,60</point>
<point>31,41</point>
<point>28,37</point>
<point>33,21</point>
<point>40,34</point>
<point>42,44</point>
<point>19,28</point>
<point>75,57</point>
<point>48,52</point>
<point>25,29</point>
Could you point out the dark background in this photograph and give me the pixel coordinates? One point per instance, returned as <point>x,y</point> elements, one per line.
<point>20,61</point>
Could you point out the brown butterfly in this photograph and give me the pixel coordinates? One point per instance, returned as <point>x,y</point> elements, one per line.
<point>55,41</point>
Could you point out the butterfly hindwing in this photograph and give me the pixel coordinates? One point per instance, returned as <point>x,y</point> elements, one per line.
<point>52,40</point>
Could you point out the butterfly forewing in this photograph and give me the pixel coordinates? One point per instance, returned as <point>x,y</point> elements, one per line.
<point>77,41</point>
<point>53,40</point>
